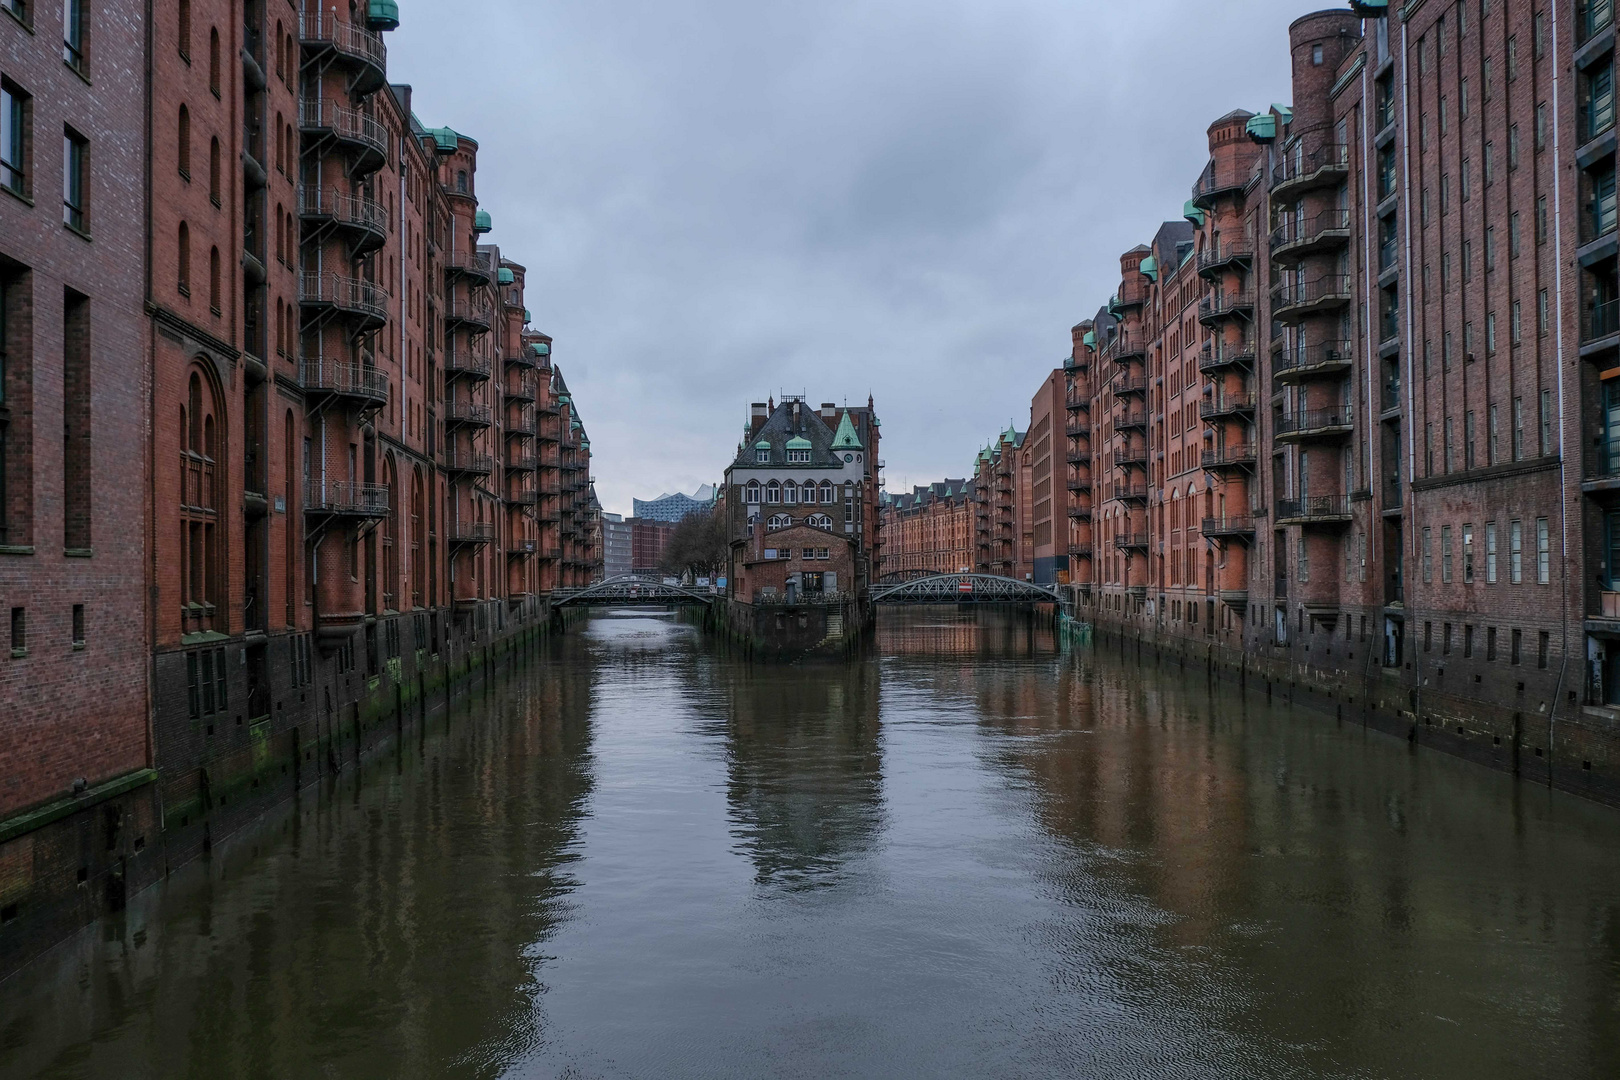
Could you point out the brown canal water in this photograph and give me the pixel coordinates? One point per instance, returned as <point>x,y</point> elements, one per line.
<point>968,855</point>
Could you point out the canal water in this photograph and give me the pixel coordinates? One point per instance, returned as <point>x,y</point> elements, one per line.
<point>969,854</point>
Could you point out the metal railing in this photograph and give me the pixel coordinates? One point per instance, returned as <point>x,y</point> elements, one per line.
<point>1131,455</point>
<point>346,497</point>
<point>1131,540</point>
<point>1600,320</point>
<point>1129,492</point>
<point>471,532</point>
<point>1218,255</point>
<point>344,293</point>
<point>1314,507</point>
<point>1130,384</point>
<point>1314,290</point>
<point>353,210</point>
<point>1226,405</point>
<point>466,412</point>
<point>1305,359</point>
<point>350,125</point>
<point>1310,229</point>
<point>1076,431</point>
<point>1130,420</point>
<point>1298,166</point>
<point>461,310</point>
<point>321,27</point>
<point>1341,416</point>
<point>1216,180</point>
<point>1232,454</point>
<point>465,363</point>
<point>343,377</point>
<point>1222,353</point>
<point>1221,304</point>
<point>462,462</point>
<point>471,263</point>
<point>1226,526</point>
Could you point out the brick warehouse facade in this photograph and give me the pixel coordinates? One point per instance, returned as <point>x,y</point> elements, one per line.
<point>1352,422</point>
<point>363,470</point>
<point>928,530</point>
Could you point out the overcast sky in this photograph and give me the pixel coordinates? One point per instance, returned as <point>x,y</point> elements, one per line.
<point>719,200</point>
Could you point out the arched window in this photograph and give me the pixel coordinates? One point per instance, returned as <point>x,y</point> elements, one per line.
<point>390,537</point>
<point>200,500</point>
<point>281,242</point>
<point>281,328</point>
<point>213,169</point>
<point>182,259</point>
<point>752,497</point>
<point>182,142</point>
<point>790,493</point>
<point>820,521</point>
<point>826,493</point>
<point>461,181</point>
<point>779,521</point>
<point>213,60</point>
<point>281,143</point>
<point>773,493</point>
<point>183,34</point>
<point>213,280</point>
<point>281,52</point>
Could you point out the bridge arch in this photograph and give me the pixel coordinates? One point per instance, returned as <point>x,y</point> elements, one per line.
<point>629,590</point>
<point>965,589</point>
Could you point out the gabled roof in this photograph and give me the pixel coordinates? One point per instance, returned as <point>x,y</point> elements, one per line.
<point>846,438</point>
<point>782,431</point>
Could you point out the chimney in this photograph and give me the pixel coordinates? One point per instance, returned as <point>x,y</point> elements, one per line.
<point>829,410</point>
<point>756,417</point>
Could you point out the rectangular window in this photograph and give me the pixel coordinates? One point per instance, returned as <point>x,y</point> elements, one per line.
<point>1541,127</point>
<point>1546,423</point>
<point>1490,553</point>
<point>1491,457</point>
<point>1468,639</point>
<point>1446,457</point>
<point>1428,635</point>
<point>1515,328</point>
<point>1515,643</point>
<point>76,422</point>
<point>1541,313</point>
<point>1490,643</point>
<point>74,37</point>
<point>1428,449</point>
<point>78,625</point>
<point>1543,552</point>
<point>1515,551</point>
<point>1468,554</point>
<point>1518,428</point>
<point>1428,555</point>
<point>75,181</point>
<point>1445,639</point>
<point>1468,440</point>
<point>13,138</point>
<point>1445,554</point>
<point>1304,561</point>
<point>1543,647</point>
<point>1513,234</point>
<point>1513,147</point>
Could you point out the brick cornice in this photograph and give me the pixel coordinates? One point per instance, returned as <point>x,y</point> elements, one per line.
<point>1489,472</point>
<point>181,325</point>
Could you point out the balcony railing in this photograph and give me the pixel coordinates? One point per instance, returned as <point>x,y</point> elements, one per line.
<point>1330,228</point>
<point>320,28</point>
<point>1130,420</point>
<point>1333,421</point>
<point>522,547</point>
<point>1129,492</point>
<point>346,498</point>
<point>1231,404</point>
<point>461,461</point>
<point>1305,361</point>
<point>463,312</point>
<point>1314,508</point>
<point>1124,541</point>
<point>1081,551</point>
<point>1222,305</point>
<point>1227,526</point>
<point>462,362</point>
<point>1130,384</point>
<point>1077,431</point>
<point>344,379</point>
<point>473,264</point>
<point>1131,455</point>
<point>471,532</point>
<point>466,412</point>
<point>1220,354</point>
<point>1231,456</point>
<point>522,424</point>
<point>1600,320</point>
<point>351,126</point>
<point>1303,297</point>
<point>1216,257</point>
<point>1300,169</point>
<point>1125,346</point>
<point>364,217</point>
<point>1217,180</point>
<point>352,296</point>
<point>520,462</point>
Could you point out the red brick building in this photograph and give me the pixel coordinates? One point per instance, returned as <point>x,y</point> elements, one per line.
<point>648,538</point>
<point>356,466</point>
<point>78,808</point>
<point>929,530</point>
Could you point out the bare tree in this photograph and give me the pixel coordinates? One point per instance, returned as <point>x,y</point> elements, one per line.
<point>697,546</point>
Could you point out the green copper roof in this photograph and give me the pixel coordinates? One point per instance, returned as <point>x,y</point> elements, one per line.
<point>1089,340</point>
<point>584,444</point>
<point>481,222</point>
<point>1113,306</point>
<point>540,347</point>
<point>503,276</point>
<point>1286,112</point>
<point>763,444</point>
<point>444,139</point>
<point>845,438</point>
<point>798,442</point>
<point>564,399</point>
<point>382,15</point>
<point>1150,268</point>
<point>1192,213</point>
<point>1009,436</point>
<point>1262,128</point>
<point>526,317</point>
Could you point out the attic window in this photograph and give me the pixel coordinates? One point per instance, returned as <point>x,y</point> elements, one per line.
<point>798,457</point>
<point>762,456</point>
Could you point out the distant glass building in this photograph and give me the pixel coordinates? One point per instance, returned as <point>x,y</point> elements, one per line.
<point>675,507</point>
<point>615,545</point>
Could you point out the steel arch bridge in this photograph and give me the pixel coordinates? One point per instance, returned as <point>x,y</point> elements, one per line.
<point>629,590</point>
<point>965,589</point>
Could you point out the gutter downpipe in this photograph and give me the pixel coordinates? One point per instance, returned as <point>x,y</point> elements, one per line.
<point>1409,528</point>
<point>1563,457</point>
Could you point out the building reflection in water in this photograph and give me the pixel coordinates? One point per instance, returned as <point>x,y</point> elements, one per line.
<point>804,769</point>
<point>392,925</point>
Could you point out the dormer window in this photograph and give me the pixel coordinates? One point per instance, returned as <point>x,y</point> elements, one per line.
<point>798,457</point>
<point>762,456</point>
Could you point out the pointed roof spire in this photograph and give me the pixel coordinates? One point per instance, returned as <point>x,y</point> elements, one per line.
<point>845,438</point>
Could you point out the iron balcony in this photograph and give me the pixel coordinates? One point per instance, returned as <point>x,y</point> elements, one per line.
<point>1080,513</point>
<point>471,532</point>
<point>345,499</point>
<point>1225,305</point>
<point>361,221</point>
<point>522,424</point>
<point>463,413</point>
<point>461,362</point>
<point>1130,384</point>
<point>1218,356</point>
<point>355,383</point>
<point>1082,551</point>
<point>522,497</point>
<point>1131,455</point>
<point>1297,238</point>
<point>474,265</point>
<point>1314,510</point>
<point>1131,493</point>
<point>1295,300</point>
<point>1077,430</point>
<point>1217,182</point>
<point>1079,457</point>
<point>361,136</point>
<point>361,51</point>
<point>520,463</point>
<point>1130,541</point>
<point>1300,171</point>
<point>519,548</point>
<point>1078,484</point>
<point>1310,361</point>
<point>461,313</point>
<point>1330,423</point>
<point>1125,346</point>
<point>1226,528</point>
<point>360,301</point>
<point>468,464</point>
<point>1131,420</point>
<point>1232,456</point>
<point>1224,405</point>
<point>521,389</point>
<point>1217,257</point>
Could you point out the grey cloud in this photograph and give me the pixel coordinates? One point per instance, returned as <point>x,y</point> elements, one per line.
<point>719,199</point>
